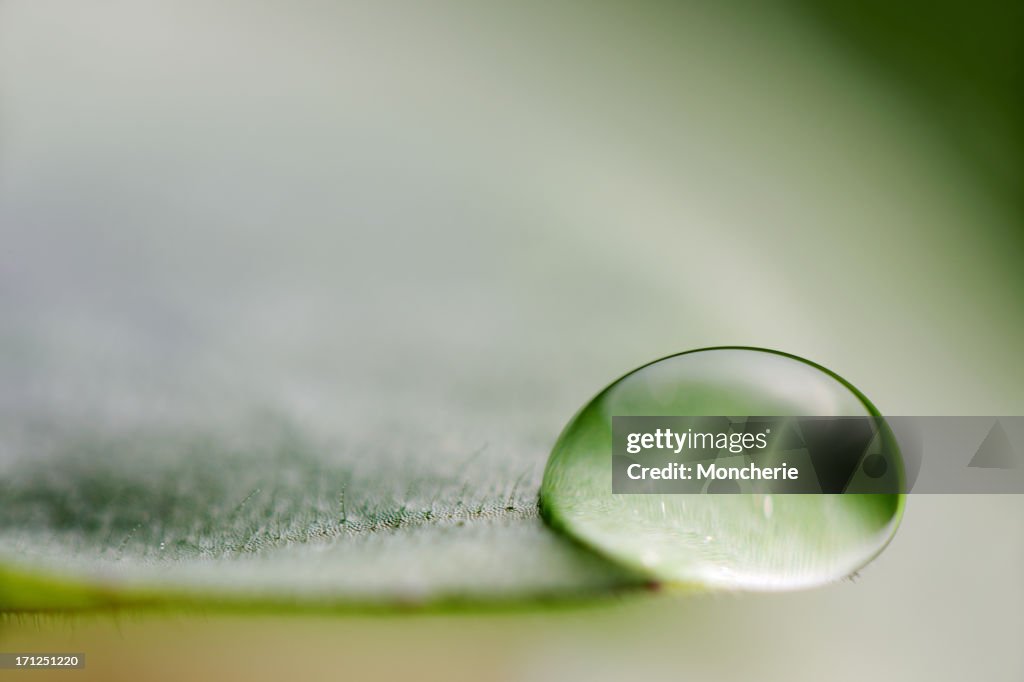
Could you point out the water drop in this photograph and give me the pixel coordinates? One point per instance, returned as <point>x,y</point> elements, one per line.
<point>786,542</point>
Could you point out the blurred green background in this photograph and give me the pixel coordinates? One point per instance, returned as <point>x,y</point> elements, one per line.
<point>431,231</point>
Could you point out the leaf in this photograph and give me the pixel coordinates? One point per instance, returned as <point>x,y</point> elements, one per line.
<point>228,324</point>
<point>271,518</point>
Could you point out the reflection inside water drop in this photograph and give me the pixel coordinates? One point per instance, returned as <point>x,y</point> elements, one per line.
<point>761,542</point>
